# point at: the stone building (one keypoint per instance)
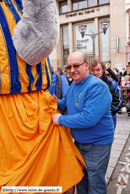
(128, 31)
(113, 47)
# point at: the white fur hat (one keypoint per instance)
(37, 33)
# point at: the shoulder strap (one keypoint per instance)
(59, 88)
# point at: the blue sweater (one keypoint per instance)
(89, 117)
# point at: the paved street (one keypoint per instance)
(118, 173)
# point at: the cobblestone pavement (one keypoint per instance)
(118, 172)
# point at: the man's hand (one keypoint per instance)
(55, 118)
(56, 98)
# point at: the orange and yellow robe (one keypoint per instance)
(33, 151)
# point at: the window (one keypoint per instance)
(65, 41)
(82, 4)
(90, 57)
(63, 7)
(101, 2)
(75, 4)
(90, 3)
(104, 46)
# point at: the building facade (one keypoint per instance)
(113, 47)
(128, 31)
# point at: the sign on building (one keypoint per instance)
(83, 44)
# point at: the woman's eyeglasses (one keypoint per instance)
(68, 68)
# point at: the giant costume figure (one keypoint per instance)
(33, 152)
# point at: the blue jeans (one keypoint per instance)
(96, 158)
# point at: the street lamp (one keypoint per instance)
(104, 26)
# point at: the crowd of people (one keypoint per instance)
(123, 79)
(125, 87)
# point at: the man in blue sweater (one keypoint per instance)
(88, 102)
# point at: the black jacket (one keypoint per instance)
(116, 94)
(113, 75)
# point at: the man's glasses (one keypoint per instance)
(127, 69)
(68, 68)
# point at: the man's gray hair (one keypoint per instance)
(85, 57)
